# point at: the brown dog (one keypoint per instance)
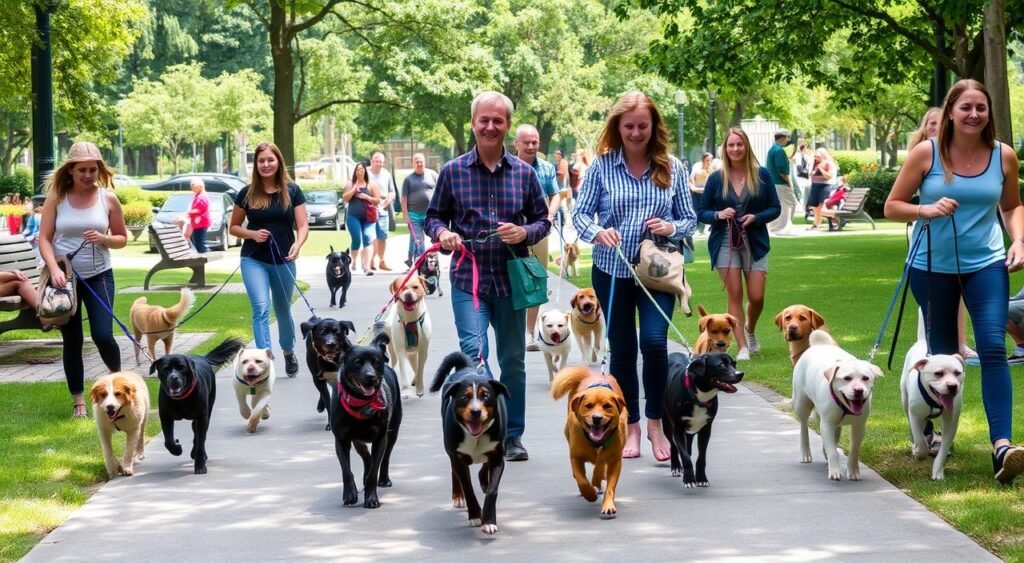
(120, 403)
(796, 323)
(157, 322)
(595, 427)
(571, 254)
(587, 323)
(716, 332)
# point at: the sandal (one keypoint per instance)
(79, 410)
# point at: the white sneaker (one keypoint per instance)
(742, 355)
(752, 344)
(533, 346)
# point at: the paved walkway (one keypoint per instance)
(276, 495)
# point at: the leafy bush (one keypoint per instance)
(137, 214)
(18, 183)
(879, 183)
(158, 199)
(131, 194)
(321, 186)
(855, 161)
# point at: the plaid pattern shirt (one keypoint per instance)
(471, 200)
(620, 200)
(546, 176)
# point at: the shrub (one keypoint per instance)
(20, 182)
(321, 186)
(855, 161)
(879, 183)
(157, 199)
(131, 194)
(137, 214)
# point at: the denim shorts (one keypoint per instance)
(383, 223)
(740, 258)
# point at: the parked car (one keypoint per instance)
(325, 209)
(310, 170)
(221, 205)
(124, 181)
(216, 183)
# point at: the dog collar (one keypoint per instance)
(586, 322)
(602, 443)
(187, 393)
(540, 335)
(600, 384)
(711, 404)
(360, 408)
(839, 402)
(116, 418)
(252, 386)
(931, 401)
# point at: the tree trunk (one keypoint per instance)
(737, 114)
(284, 76)
(210, 157)
(547, 131)
(458, 134)
(995, 69)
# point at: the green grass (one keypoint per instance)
(849, 280)
(51, 462)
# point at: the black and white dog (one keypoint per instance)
(474, 420)
(326, 340)
(430, 271)
(366, 410)
(691, 403)
(339, 275)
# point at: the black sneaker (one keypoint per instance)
(1007, 463)
(514, 450)
(291, 365)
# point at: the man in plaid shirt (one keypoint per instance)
(488, 192)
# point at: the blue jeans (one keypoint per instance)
(383, 224)
(509, 338)
(622, 337)
(985, 293)
(417, 243)
(101, 325)
(360, 231)
(199, 240)
(266, 283)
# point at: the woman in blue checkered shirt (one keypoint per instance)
(634, 185)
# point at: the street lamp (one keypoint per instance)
(42, 95)
(713, 99)
(681, 102)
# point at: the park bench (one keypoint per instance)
(175, 252)
(852, 209)
(17, 254)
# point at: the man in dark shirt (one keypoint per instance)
(417, 189)
(488, 192)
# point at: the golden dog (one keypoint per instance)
(595, 427)
(120, 403)
(157, 322)
(408, 325)
(796, 323)
(587, 324)
(571, 254)
(716, 331)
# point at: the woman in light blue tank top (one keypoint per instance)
(83, 218)
(964, 178)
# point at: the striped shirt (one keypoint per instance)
(625, 202)
(471, 200)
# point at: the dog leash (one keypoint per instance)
(377, 324)
(904, 285)
(108, 308)
(671, 325)
(276, 253)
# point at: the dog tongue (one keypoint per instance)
(947, 402)
(475, 427)
(556, 338)
(856, 406)
(597, 434)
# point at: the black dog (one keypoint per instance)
(326, 339)
(187, 391)
(691, 395)
(474, 420)
(430, 271)
(366, 408)
(339, 275)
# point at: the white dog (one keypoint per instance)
(254, 380)
(553, 339)
(931, 386)
(120, 403)
(409, 328)
(838, 386)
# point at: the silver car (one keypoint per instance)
(324, 209)
(217, 236)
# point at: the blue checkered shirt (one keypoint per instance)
(471, 200)
(547, 176)
(620, 200)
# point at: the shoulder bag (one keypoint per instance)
(660, 266)
(529, 281)
(57, 304)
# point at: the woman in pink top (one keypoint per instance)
(199, 215)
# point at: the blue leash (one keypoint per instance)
(901, 285)
(276, 253)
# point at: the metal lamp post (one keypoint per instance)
(681, 102)
(713, 99)
(42, 99)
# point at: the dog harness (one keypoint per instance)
(412, 331)
(252, 386)
(711, 405)
(361, 408)
(602, 443)
(934, 406)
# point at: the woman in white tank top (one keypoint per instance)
(83, 219)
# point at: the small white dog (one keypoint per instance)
(553, 339)
(409, 328)
(931, 386)
(254, 380)
(838, 386)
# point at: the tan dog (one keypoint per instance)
(120, 403)
(408, 325)
(595, 427)
(571, 253)
(587, 323)
(157, 322)
(796, 323)
(716, 332)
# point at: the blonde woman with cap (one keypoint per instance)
(82, 219)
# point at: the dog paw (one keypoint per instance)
(475, 522)
(938, 475)
(919, 453)
(320, 406)
(328, 427)
(853, 474)
(126, 471)
(676, 472)
(200, 469)
(489, 528)
(608, 511)
(806, 458)
(835, 475)
(349, 498)
(458, 502)
(174, 448)
(251, 427)
(371, 503)
(704, 483)
(266, 413)
(589, 494)
(384, 482)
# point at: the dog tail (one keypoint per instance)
(184, 304)
(224, 352)
(821, 338)
(567, 380)
(454, 361)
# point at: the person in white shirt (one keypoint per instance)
(380, 176)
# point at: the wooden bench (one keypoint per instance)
(175, 252)
(17, 254)
(852, 209)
